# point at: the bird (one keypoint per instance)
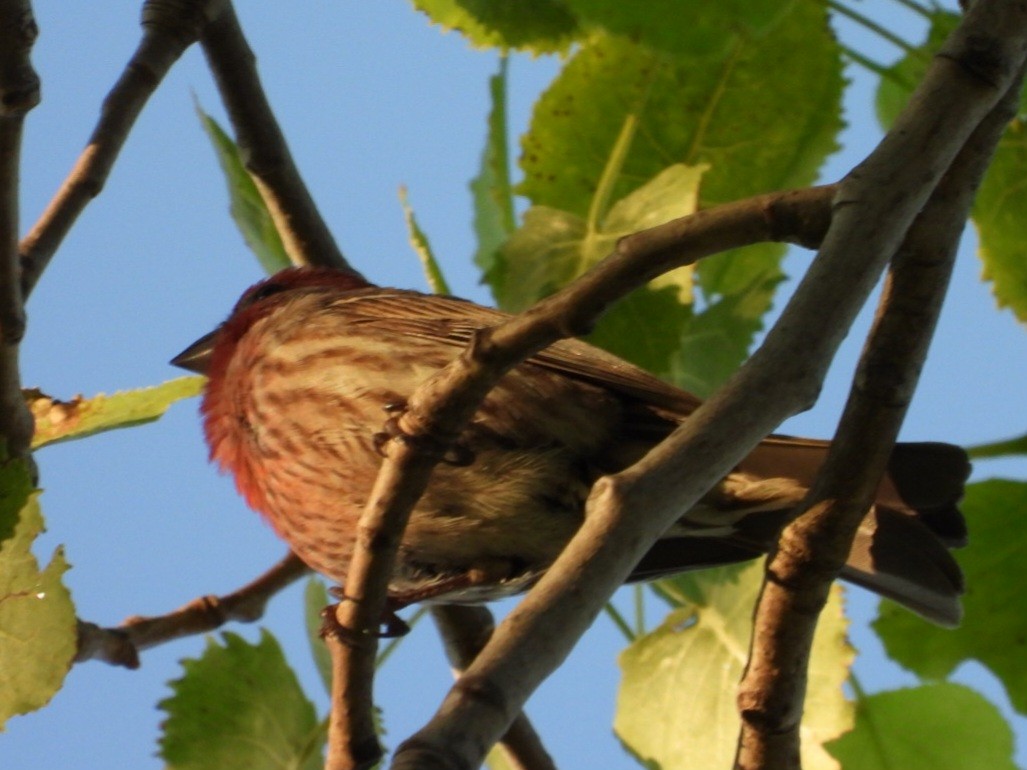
(311, 362)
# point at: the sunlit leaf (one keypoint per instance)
(677, 707)
(247, 206)
(491, 193)
(58, 420)
(538, 26)
(691, 29)
(940, 726)
(994, 628)
(240, 707)
(37, 619)
(422, 247)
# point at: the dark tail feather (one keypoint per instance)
(901, 549)
(897, 556)
(924, 479)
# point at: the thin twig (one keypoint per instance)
(464, 630)
(815, 546)
(878, 29)
(627, 512)
(169, 27)
(19, 93)
(120, 646)
(305, 235)
(352, 740)
(441, 406)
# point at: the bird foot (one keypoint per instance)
(457, 453)
(390, 625)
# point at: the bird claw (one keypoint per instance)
(390, 625)
(458, 454)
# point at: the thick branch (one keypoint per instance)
(442, 406)
(19, 93)
(169, 27)
(121, 646)
(814, 548)
(304, 233)
(465, 630)
(627, 512)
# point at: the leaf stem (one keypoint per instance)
(877, 29)
(639, 591)
(620, 621)
(864, 61)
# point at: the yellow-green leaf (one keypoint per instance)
(994, 627)
(940, 726)
(538, 26)
(677, 707)
(58, 420)
(247, 206)
(691, 29)
(240, 707)
(37, 618)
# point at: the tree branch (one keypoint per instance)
(19, 93)
(304, 233)
(169, 27)
(465, 629)
(121, 646)
(627, 512)
(813, 549)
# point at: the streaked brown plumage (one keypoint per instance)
(300, 376)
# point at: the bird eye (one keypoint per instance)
(261, 291)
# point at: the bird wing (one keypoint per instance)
(454, 321)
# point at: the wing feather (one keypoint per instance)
(454, 321)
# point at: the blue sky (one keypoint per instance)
(370, 97)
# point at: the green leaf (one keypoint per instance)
(37, 619)
(240, 706)
(537, 26)
(247, 206)
(899, 80)
(677, 704)
(315, 599)
(419, 242)
(715, 342)
(994, 628)
(727, 114)
(58, 420)
(691, 29)
(553, 247)
(1014, 446)
(491, 193)
(999, 212)
(940, 726)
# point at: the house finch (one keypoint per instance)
(302, 372)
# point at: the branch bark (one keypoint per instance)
(169, 27)
(120, 646)
(19, 93)
(304, 233)
(814, 548)
(465, 629)
(626, 512)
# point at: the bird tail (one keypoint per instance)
(901, 548)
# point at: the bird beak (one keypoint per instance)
(196, 357)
